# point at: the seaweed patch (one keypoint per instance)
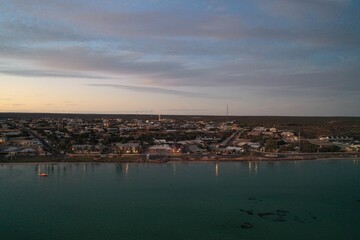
(279, 215)
(246, 225)
(248, 212)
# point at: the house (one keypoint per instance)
(257, 131)
(289, 136)
(340, 139)
(159, 141)
(223, 151)
(87, 148)
(269, 133)
(28, 152)
(165, 148)
(3, 140)
(231, 149)
(9, 150)
(195, 149)
(274, 130)
(261, 129)
(48, 132)
(113, 130)
(27, 142)
(12, 134)
(128, 147)
(254, 145)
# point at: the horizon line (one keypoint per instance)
(194, 115)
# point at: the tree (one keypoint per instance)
(271, 145)
(287, 148)
(331, 148)
(308, 147)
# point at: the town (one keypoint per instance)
(164, 138)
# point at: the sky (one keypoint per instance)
(259, 57)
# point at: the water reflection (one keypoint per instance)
(66, 169)
(253, 167)
(217, 169)
(126, 169)
(119, 169)
(84, 169)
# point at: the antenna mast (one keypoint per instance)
(227, 112)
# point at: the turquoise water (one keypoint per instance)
(276, 200)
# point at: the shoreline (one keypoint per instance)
(310, 157)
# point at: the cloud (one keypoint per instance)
(152, 90)
(42, 73)
(89, 23)
(254, 69)
(302, 9)
(120, 66)
(29, 33)
(291, 45)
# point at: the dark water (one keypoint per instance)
(264, 200)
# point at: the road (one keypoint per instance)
(54, 152)
(229, 141)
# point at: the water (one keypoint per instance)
(280, 200)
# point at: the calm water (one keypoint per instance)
(288, 200)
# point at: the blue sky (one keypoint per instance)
(279, 57)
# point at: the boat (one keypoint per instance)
(42, 174)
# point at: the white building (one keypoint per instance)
(165, 148)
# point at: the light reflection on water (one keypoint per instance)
(217, 169)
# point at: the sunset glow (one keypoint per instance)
(259, 57)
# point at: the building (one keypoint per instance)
(231, 149)
(128, 147)
(165, 148)
(289, 136)
(87, 148)
(3, 140)
(28, 152)
(196, 150)
(27, 142)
